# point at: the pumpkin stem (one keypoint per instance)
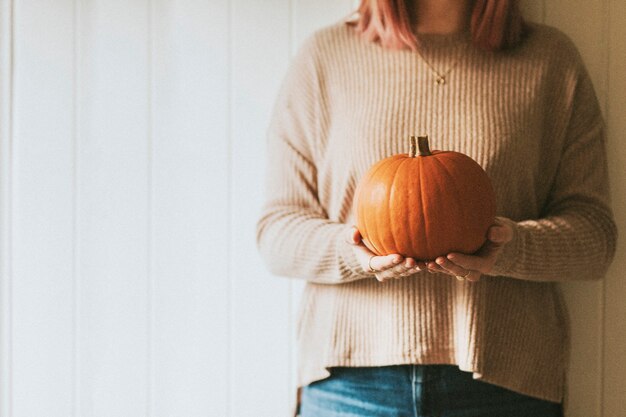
(413, 149)
(422, 143)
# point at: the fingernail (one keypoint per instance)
(397, 260)
(451, 257)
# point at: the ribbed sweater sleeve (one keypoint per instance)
(294, 234)
(575, 238)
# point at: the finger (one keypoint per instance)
(433, 268)
(452, 268)
(500, 234)
(420, 266)
(381, 263)
(457, 271)
(414, 269)
(468, 262)
(409, 263)
(473, 276)
(408, 273)
(353, 236)
(398, 270)
(403, 269)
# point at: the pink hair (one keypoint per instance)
(494, 25)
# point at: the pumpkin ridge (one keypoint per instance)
(483, 208)
(423, 216)
(375, 245)
(377, 226)
(417, 222)
(457, 195)
(393, 219)
(393, 168)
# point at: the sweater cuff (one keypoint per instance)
(508, 256)
(349, 266)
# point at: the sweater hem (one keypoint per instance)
(477, 373)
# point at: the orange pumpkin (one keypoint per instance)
(424, 206)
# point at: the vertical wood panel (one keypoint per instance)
(260, 363)
(309, 16)
(114, 212)
(6, 206)
(191, 207)
(614, 384)
(43, 223)
(583, 22)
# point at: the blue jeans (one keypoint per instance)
(416, 391)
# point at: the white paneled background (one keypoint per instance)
(131, 165)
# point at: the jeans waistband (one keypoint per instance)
(417, 373)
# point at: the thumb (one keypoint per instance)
(500, 234)
(353, 236)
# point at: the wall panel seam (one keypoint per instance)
(75, 401)
(229, 205)
(7, 65)
(150, 313)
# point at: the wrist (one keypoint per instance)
(507, 257)
(349, 264)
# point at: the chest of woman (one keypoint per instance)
(492, 112)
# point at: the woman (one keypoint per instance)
(481, 334)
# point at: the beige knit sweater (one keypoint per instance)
(529, 117)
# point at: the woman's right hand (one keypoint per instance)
(387, 267)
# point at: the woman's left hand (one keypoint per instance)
(471, 267)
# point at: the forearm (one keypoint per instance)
(297, 244)
(576, 245)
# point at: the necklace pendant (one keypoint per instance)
(440, 80)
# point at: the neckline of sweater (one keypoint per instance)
(442, 40)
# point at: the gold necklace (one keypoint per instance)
(440, 78)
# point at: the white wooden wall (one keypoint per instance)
(131, 164)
